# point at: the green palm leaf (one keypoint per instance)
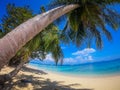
(91, 18)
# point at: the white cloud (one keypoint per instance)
(49, 58)
(69, 60)
(90, 58)
(84, 52)
(82, 56)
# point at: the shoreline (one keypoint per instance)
(77, 76)
(84, 83)
(36, 79)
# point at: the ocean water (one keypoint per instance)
(98, 68)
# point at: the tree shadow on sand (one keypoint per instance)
(27, 69)
(43, 84)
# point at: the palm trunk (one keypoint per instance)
(16, 70)
(8, 77)
(13, 41)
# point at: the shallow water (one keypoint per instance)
(97, 68)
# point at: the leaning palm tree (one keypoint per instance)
(42, 43)
(100, 10)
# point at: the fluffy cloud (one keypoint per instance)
(49, 58)
(90, 58)
(84, 52)
(78, 60)
(69, 61)
(82, 56)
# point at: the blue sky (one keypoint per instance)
(72, 54)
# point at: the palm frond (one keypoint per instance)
(91, 13)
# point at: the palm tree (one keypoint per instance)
(42, 42)
(13, 41)
(88, 22)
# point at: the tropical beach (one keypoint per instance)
(60, 45)
(42, 80)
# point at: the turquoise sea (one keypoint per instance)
(97, 68)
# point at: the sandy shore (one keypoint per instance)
(40, 80)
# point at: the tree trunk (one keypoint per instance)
(16, 70)
(7, 77)
(14, 40)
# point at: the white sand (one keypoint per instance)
(52, 81)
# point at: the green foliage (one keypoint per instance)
(45, 42)
(15, 16)
(89, 20)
